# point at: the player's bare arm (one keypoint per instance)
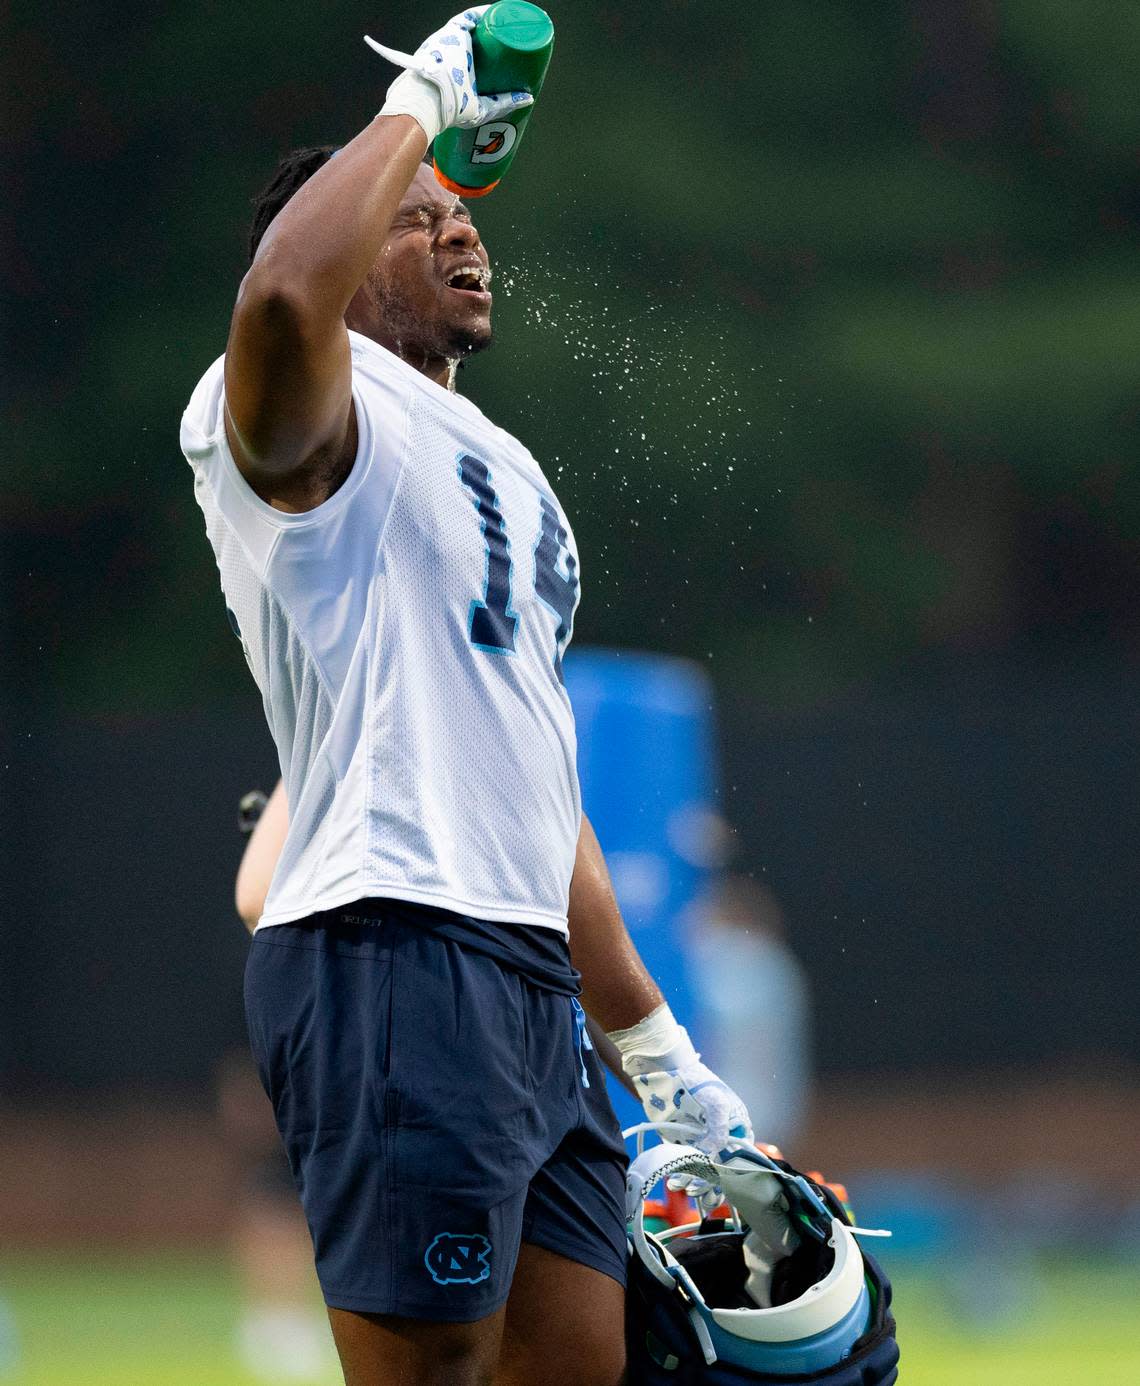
(616, 988)
(344, 252)
(260, 857)
(288, 372)
(645, 1043)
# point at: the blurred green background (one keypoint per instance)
(171, 1322)
(823, 319)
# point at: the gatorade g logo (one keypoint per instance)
(459, 1258)
(493, 142)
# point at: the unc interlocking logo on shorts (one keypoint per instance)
(459, 1258)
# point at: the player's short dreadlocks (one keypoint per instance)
(292, 172)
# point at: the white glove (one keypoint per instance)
(438, 86)
(684, 1100)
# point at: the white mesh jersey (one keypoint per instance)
(407, 638)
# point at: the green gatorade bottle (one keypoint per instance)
(512, 44)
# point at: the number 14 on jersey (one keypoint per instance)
(492, 624)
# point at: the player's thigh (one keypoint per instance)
(383, 1350)
(565, 1321)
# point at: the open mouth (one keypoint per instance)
(470, 279)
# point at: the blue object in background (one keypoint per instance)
(646, 762)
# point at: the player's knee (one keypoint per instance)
(599, 1358)
(605, 1366)
(593, 1363)
(455, 1344)
(377, 1349)
(611, 1373)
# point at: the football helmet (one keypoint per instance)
(778, 1291)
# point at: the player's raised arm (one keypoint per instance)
(289, 416)
(288, 369)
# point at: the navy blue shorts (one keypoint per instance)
(438, 1103)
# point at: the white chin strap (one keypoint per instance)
(755, 1190)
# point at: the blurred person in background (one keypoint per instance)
(753, 993)
(282, 1335)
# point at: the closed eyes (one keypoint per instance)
(428, 214)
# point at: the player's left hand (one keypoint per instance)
(688, 1104)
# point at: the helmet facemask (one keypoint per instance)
(777, 1289)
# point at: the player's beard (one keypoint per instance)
(417, 339)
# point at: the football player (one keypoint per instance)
(403, 581)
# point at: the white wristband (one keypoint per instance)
(413, 95)
(653, 1044)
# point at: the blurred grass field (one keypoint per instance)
(171, 1322)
